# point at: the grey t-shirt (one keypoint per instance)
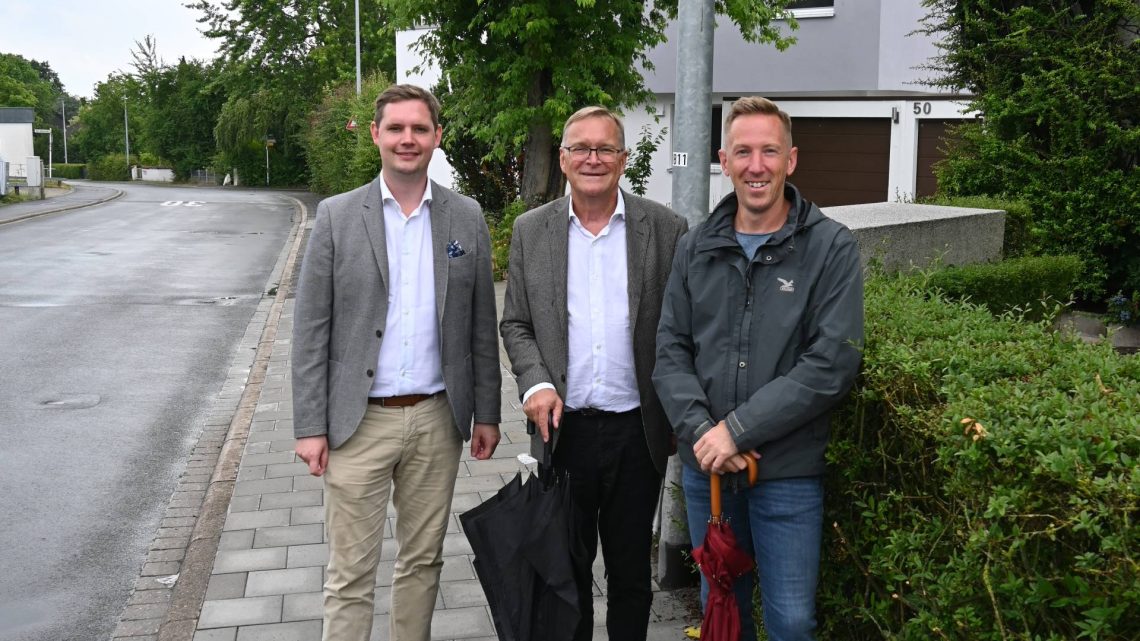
(751, 242)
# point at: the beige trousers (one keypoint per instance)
(416, 450)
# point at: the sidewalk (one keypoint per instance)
(265, 580)
(81, 194)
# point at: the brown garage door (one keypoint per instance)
(842, 161)
(934, 136)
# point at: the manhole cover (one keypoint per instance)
(69, 401)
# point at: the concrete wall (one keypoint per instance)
(901, 235)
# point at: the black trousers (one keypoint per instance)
(615, 488)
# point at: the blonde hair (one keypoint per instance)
(595, 112)
(751, 105)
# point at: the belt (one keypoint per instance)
(407, 400)
(597, 413)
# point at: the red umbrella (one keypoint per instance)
(722, 563)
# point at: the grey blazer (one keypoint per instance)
(535, 327)
(342, 306)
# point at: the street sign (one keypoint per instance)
(41, 131)
(351, 126)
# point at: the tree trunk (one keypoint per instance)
(542, 179)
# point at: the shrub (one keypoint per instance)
(68, 170)
(983, 481)
(110, 167)
(501, 232)
(339, 159)
(1034, 285)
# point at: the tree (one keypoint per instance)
(98, 128)
(278, 56)
(514, 71)
(31, 83)
(1057, 83)
(185, 103)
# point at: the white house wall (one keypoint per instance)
(412, 68)
(16, 146)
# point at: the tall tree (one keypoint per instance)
(514, 71)
(278, 56)
(99, 128)
(185, 103)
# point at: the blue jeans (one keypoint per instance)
(780, 522)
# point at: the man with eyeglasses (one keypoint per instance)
(579, 325)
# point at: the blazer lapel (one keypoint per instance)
(440, 235)
(557, 230)
(637, 233)
(373, 214)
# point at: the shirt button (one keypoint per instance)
(743, 364)
(369, 373)
(379, 333)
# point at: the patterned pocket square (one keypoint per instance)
(454, 249)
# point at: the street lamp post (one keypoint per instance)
(269, 142)
(63, 106)
(357, 47)
(50, 145)
(127, 137)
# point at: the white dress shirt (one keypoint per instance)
(409, 361)
(600, 372)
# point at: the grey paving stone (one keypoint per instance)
(164, 568)
(494, 466)
(267, 459)
(308, 483)
(249, 560)
(251, 472)
(244, 488)
(176, 554)
(292, 499)
(239, 612)
(179, 521)
(226, 586)
(295, 631)
(303, 606)
(145, 611)
(478, 484)
(287, 581)
(289, 535)
(170, 543)
(454, 544)
(260, 519)
(462, 502)
(140, 597)
(245, 503)
(461, 594)
(236, 540)
(461, 623)
(308, 555)
(258, 448)
(286, 469)
(137, 628)
(309, 514)
(217, 634)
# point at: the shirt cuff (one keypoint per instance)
(530, 392)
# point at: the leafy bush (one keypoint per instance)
(1034, 285)
(1057, 84)
(339, 159)
(983, 481)
(68, 170)
(501, 232)
(110, 167)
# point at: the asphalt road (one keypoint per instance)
(117, 325)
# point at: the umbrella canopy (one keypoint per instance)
(722, 562)
(527, 556)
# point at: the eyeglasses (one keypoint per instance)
(605, 154)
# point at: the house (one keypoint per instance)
(16, 138)
(868, 129)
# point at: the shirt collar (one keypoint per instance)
(619, 210)
(386, 195)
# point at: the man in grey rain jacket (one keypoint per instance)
(760, 337)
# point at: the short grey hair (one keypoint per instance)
(595, 112)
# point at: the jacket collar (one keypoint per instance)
(718, 231)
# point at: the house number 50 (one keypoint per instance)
(922, 108)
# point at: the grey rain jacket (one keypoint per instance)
(769, 345)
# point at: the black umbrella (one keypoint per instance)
(528, 556)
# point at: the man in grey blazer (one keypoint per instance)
(394, 356)
(583, 298)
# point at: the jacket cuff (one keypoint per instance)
(702, 429)
(303, 432)
(736, 429)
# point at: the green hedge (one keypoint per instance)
(68, 170)
(340, 160)
(1033, 285)
(110, 167)
(501, 236)
(983, 481)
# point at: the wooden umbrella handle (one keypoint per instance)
(714, 488)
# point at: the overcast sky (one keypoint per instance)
(85, 40)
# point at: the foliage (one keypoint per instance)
(68, 170)
(339, 159)
(99, 127)
(1124, 310)
(493, 182)
(1032, 285)
(640, 165)
(1057, 83)
(501, 233)
(111, 167)
(983, 480)
(517, 70)
(31, 83)
(184, 105)
(277, 59)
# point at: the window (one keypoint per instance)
(715, 133)
(812, 8)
